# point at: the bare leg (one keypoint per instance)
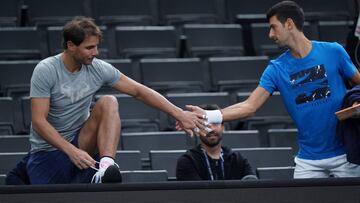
(101, 131)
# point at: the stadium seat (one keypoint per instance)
(210, 40)
(247, 8)
(174, 12)
(275, 173)
(21, 43)
(165, 160)
(128, 160)
(125, 12)
(144, 176)
(328, 10)
(138, 42)
(53, 13)
(126, 67)
(334, 31)
(15, 76)
(8, 160)
(14, 143)
(7, 116)
(174, 75)
(241, 74)
(146, 141)
(283, 138)
(2, 179)
(9, 12)
(272, 114)
(241, 138)
(267, 156)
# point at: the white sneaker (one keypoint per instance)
(110, 175)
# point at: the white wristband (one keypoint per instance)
(214, 116)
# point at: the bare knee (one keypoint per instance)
(107, 103)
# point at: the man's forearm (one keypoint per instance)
(158, 101)
(51, 136)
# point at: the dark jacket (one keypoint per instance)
(192, 166)
(349, 130)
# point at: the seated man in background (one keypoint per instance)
(211, 161)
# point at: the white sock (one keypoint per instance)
(105, 162)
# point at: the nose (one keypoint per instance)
(95, 51)
(271, 34)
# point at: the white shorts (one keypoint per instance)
(332, 167)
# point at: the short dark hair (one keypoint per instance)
(287, 9)
(78, 29)
(209, 106)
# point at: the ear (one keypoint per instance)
(71, 45)
(290, 24)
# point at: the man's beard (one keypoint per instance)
(282, 47)
(210, 143)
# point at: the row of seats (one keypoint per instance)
(156, 12)
(170, 75)
(136, 42)
(136, 176)
(146, 141)
(166, 159)
(137, 116)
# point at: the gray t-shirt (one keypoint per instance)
(70, 94)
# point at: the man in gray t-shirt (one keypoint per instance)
(64, 135)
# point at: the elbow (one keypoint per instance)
(36, 124)
(251, 111)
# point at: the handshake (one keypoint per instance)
(204, 118)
